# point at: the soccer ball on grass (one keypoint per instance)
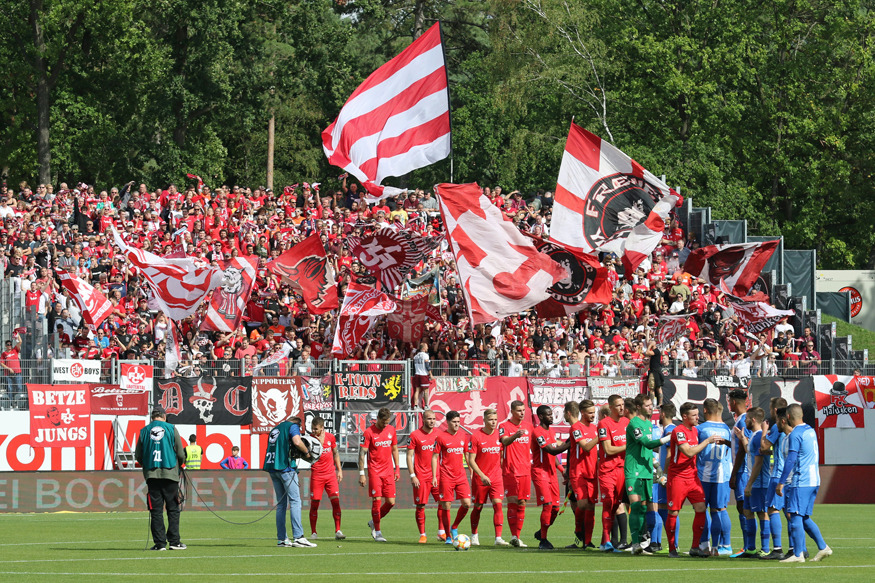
(462, 542)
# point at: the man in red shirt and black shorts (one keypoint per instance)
(582, 462)
(420, 448)
(380, 445)
(326, 474)
(452, 480)
(484, 459)
(544, 450)
(612, 439)
(683, 480)
(516, 468)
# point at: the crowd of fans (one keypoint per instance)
(48, 229)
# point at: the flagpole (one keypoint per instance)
(449, 100)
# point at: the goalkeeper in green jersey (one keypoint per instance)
(639, 468)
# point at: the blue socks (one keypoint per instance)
(765, 531)
(814, 532)
(654, 526)
(750, 534)
(775, 525)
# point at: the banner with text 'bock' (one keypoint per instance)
(60, 415)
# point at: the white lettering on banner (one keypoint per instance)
(604, 387)
(58, 397)
(682, 392)
(65, 369)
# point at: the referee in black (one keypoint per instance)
(160, 453)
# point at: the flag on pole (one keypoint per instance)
(602, 195)
(178, 285)
(361, 306)
(501, 271)
(93, 304)
(738, 265)
(225, 310)
(306, 267)
(398, 120)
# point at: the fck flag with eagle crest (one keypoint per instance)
(735, 266)
(229, 300)
(606, 201)
(306, 267)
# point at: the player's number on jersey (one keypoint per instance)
(156, 456)
(268, 459)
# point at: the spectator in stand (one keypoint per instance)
(809, 361)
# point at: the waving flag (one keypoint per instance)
(671, 328)
(178, 285)
(390, 255)
(754, 315)
(226, 306)
(398, 120)
(93, 304)
(501, 271)
(306, 267)
(602, 195)
(585, 284)
(738, 266)
(361, 306)
(407, 322)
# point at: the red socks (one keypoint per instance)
(444, 515)
(497, 518)
(314, 514)
(607, 523)
(385, 508)
(461, 513)
(545, 520)
(698, 527)
(375, 513)
(512, 518)
(420, 519)
(588, 525)
(475, 518)
(672, 526)
(335, 512)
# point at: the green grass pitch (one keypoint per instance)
(109, 547)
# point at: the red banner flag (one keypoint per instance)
(738, 265)
(501, 271)
(93, 304)
(390, 254)
(115, 400)
(60, 415)
(225, 310)
(274, 400)
(671, 328)
(407, 322)
(398, 120)
(840, 401)
(306, 267)
(361, 306)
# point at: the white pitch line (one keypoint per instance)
(439, 573)
(180, 555)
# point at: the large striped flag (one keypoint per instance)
(735, 266)
(225, 310)
(93, 304)
(602, 195)
(398, 120)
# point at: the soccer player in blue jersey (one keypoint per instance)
(714, 464)
(738, 478)
(802, 477)
(757, 484)
(667, 413)
(774, 446)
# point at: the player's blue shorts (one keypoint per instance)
(800, 500)
(740, 485)
(772, 499)
(756, 502)
(716, 494)
(660, 495)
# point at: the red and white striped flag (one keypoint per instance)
(738, 265)
(229, 300)
(602, 195)
(501, 271)
(361, 306)
(398, 120)
(93, 304)
(178, 285)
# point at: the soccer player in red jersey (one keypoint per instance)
(380, 445)
(325, 475)
(484, 459)
(420, 448)
(612, 438)
(683, 480)
(544, 450)
(452, 480)
(582, 459)
(516, 468)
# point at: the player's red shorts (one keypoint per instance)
(329, 484)
(680, 489)
(519, 487)
(420, 495)
(381, 485)
(611, 487)
(459, 487)
(546, 489)
(585, 488)
(483, 494)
